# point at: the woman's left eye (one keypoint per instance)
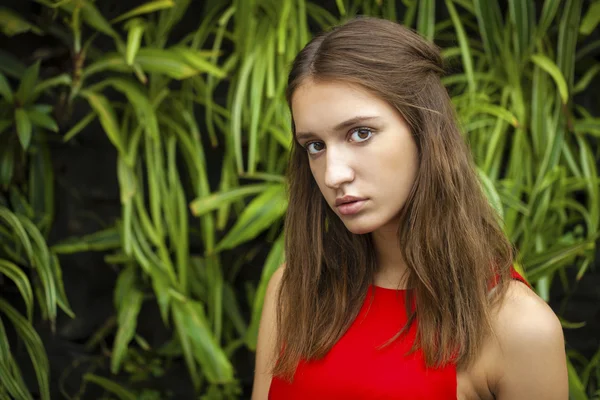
(361, 134)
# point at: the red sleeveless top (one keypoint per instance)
(355, 369)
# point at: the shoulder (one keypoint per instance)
(524, 316)
(531, 348)
(275, 280)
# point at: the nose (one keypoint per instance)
(338, 170)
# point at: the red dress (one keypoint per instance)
(354, 368)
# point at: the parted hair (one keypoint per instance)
(451, 238)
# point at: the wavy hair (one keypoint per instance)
(451, 237)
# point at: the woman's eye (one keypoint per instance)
(361, 134)
(314, 147)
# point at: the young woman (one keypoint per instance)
(398, 281)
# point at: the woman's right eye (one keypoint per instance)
(314, 147)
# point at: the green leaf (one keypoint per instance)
(5, 89)
(140, 101)
(34, 347)
(125, 281)
(190, 317)
(521, 14)
(548, 13)
(28, 81)
(203, 205)
(19, 231)
(260, 214)
(110, 386)
(186, 346)
(167, 62)
(426, 18)
(489, 18)
(43, 265)
(110, 62)
(42, 120)
(199, 61)
(107, 117)
(11, 379)
(128, 188)
(41, 185)
(591, 19)
(571, 325)
(106, 239)
(135, 29)
(128, 314)
(539, 265)
(551, 68)
(15, 274)
(7, 164)
(23, 127)
(495, 110)
(585, 80)
(79, 126)
(232, 309)
(149, 7)
(60, 80)
(491, 193)
(153, 60)
(91, 16)
(576, 389)
(11, 23)
(341, 7)
(465, 48)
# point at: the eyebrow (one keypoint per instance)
(341, 126)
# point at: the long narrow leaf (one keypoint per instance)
(260, 214)
(23, 127)
(28, 81)
(34, 347)
(5, 89)
(110, 386)
(108, 119)
(149, 7)
(15, 274)
(128, 314)
(551, 68)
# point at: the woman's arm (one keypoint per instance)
(532, 352)
(265, 346)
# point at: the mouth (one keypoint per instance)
(349, 205)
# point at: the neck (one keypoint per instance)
(391, 267)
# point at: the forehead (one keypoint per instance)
(318, 106)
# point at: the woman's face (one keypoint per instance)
(360, 150)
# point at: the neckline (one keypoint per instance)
(381, 288)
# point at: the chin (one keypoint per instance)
(360, 228)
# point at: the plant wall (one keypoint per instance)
(167, 97)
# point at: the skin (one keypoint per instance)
(377, 159)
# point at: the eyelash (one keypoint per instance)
(352, 132)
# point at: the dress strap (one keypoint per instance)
(514, 275)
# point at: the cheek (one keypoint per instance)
(318, 177)
(395, 166)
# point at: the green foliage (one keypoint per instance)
(513, 87)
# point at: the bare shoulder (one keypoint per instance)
(266, 341)
(275, 280)
(531, 348)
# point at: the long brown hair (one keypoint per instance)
(451, 238)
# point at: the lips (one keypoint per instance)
(347, 199)
(349, 205)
